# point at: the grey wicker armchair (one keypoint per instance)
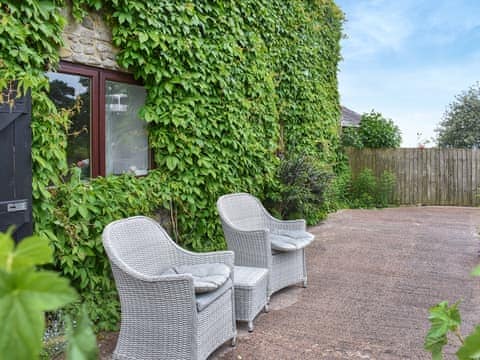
(161, 314)
(260, 240)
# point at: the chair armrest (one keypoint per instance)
(289, 225)
(186, 257)
(251, 247)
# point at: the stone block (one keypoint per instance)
(89, 50)
(65, 53)
(88, 23)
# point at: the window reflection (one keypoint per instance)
(127, 141)
(67, 92)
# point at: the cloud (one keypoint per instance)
(408, 59)
(376, 26)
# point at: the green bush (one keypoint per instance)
(350, 137)
(377, 132)
(366, 191)
(302, 190)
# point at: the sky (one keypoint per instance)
(408, 59)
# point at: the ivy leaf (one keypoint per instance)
(31, 251)
(24, 295)
(172, 162)
(443, 318)
(82, 343)
(24, 322)
(470, 349)
(46, 289)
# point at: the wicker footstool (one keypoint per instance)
(250, 292)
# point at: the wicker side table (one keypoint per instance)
(251, 292)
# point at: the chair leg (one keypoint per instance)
(305, 282)
(266, 308)
(250, 326)
(234, 342)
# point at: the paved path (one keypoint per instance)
(373, 274)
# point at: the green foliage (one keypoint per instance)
(337, 195)
(368, 191)
(29, 39)
(446, 319)
(230, 86)
(385, 186)
(81, 338)
(460, 126)
(350, 137)
(377, 132)
(26, 293)
(470, 349)
(443, 319)
(303, 187)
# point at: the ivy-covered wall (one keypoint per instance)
(232, 87)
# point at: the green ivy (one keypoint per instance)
(231, 85)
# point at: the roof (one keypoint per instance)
(350, 118)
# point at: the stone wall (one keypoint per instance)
(88, 42)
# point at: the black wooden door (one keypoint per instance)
(16, 168)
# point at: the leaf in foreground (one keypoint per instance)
(82, 344)
(470, 349)
(443, 319)
(24, 296)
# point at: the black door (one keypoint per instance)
(16, 167)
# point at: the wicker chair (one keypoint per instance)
(160, 316)
(249, 231)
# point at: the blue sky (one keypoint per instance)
(408, 59)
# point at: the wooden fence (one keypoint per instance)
(425, 176)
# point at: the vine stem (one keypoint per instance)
(459, 335)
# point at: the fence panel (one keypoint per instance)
(425, 176)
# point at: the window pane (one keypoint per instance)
(66, 91)
(126, 134)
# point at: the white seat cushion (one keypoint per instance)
(290, 240)
(205, 299)
(206, 277)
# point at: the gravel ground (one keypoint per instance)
(373, 274)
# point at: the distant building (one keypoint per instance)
(350, 118)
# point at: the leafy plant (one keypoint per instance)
(350, 137)
(460, 126)
(378, 132)
(367, 191)
(446, 319)
(303, 186)
(26, 293)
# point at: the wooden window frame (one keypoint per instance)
(98, 78)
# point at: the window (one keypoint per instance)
(106, 136)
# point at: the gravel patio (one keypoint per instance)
(373, 274)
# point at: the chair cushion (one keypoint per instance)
(205, 299)
(284, 240)
(206, 277)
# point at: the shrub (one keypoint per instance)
(338, 191)
(303, 187)
(377, 132)
(367, 191)
(350, 137)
